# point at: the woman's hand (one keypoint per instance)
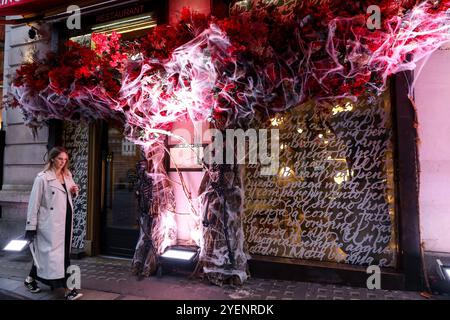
(30, 234)
(74, 189)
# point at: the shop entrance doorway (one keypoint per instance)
(120, 229)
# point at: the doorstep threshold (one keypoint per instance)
(112, 257)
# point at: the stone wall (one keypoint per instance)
(24, 154)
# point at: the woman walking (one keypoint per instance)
(50, 222)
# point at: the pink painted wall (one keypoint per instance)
(185, 219)
(175, 6)
(432, 93)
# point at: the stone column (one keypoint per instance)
(24, 154)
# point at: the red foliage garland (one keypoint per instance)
(283, 56)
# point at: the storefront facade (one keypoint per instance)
(346, 195)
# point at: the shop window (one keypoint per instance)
(130, 28)
(128, 148)
(333, 197)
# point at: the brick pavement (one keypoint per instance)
(110, 279)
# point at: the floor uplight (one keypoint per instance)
(179, 254)
(16, 245)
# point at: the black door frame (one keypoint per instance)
(407, 173)
(2, 156)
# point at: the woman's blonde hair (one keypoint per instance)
(54, 152)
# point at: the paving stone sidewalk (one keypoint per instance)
(105, 278)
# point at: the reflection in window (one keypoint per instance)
(333, 197)
(121, 177)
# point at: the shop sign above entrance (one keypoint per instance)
(120, 14)
(22, 7)
(12, 3)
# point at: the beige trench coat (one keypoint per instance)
(47, 215)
